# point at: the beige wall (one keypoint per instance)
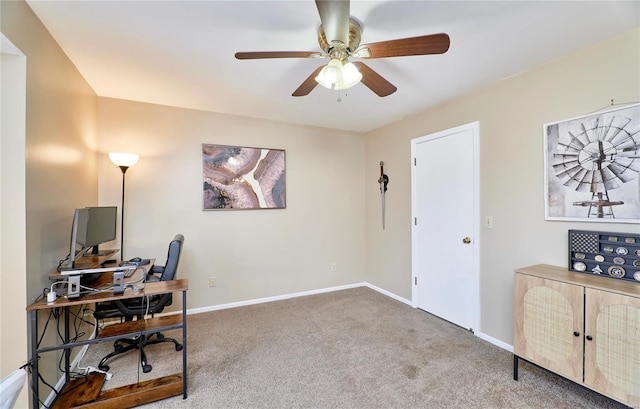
(252, 253)
(13, 287)
(59, 160)
(60, 144)
(511, 114)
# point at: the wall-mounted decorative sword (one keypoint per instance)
(383, 181)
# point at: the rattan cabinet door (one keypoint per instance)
(612, 345)
(549, 319)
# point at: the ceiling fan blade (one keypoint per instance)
(334, 15)
(422, 45)
(253, 55)
(308, 85)
(374, 81)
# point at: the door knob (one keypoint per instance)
(466, 240)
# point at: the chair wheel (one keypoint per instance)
(178, 347)
(104, 368)
(147, 368)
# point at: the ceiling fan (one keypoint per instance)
(339, 39)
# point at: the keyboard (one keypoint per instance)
(126, 269)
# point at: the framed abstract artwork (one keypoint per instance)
(591, 167)
(237, 177)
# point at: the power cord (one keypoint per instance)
(29, 368)
(52, 295)
(89, 369)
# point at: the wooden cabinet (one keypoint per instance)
(583, 327)
(549, 321)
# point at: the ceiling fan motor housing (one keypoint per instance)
(355, 31)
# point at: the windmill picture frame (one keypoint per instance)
(592, 167)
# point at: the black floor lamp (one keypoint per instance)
(124, 161)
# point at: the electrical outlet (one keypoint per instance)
(212, 281)
(334, 266)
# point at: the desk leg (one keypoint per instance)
(34, 359)
(184, 345)
(67, 351)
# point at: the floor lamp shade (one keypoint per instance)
(124, 161)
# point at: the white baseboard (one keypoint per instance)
(495, 341)
(269, 299)
(294, 295)
(389, 294)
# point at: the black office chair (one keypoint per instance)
(138, 307)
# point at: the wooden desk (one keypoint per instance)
(126, 396)
(105, 280)
(90, 261)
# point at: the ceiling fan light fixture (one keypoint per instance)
(331, 74)
(350, 75)
(337, 76)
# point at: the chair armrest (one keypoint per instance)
(152, 278)
(156, 271)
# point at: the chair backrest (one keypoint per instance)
(173, 257)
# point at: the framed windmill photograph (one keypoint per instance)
(591, 167)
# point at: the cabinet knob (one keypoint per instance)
(589, 338)
(576, 334)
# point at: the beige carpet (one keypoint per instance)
(346, 349)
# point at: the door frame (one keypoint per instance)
(475, 128)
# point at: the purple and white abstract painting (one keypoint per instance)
(238, 177)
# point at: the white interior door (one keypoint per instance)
(445, 238)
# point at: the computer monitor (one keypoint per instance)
(91, 227)
(101, 228)
(78, 237)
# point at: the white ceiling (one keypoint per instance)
(181, 53)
